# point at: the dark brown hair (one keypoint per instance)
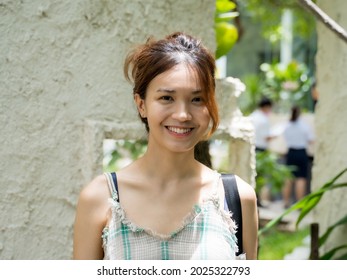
(154, 57)
(295, 113)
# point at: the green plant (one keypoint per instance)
(226, 32)
(271, 172)
(268, 14)
(248, 101)
(276, 244)
(124, 149)
(284, 85)
(290, 82)
(306, 205)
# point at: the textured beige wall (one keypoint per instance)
(331, 116)
(63, 92)
(61, 86)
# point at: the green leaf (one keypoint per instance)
(343, 257)
(307, 203)
(331, 253)
(325, 236)
(311, 200)
(275, 221)
(311, 203)
(223, 6)
(226, 36)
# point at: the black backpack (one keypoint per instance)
(234, 205)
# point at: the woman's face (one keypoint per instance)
(175, 109)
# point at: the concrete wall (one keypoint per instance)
(330, 121)
(237, 129)
(61, 87)
(62, 93)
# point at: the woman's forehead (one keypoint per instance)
(180, 74)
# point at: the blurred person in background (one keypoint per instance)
(262, 126)
(298, 136)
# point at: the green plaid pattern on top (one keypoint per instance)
(208, 233)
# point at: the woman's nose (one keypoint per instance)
(182, 112)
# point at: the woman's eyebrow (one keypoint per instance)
(166, 90)
(171, 91)
(197, 91)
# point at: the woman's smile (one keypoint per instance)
(179, 131)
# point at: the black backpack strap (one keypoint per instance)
(234, 205)
(114, 179)
(112, 184)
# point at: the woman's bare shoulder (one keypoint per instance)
(95, 192)
(246, 191)
(91, 217)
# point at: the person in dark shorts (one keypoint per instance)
(298, 135)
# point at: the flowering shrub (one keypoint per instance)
(290, 83)
(284, 85)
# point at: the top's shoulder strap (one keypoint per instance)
(234, 204)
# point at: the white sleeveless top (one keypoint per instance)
(207, 233)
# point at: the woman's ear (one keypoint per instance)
(140, 104)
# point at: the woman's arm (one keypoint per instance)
(91, 218)
(249, 219)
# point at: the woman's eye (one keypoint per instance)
(166, 98)
(198, 100)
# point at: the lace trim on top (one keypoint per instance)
(119, 213)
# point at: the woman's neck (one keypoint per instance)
(170, 165)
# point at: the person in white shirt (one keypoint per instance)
(261, 122)
(298, 135)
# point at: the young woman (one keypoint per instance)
(166, 204)
(298, 136)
